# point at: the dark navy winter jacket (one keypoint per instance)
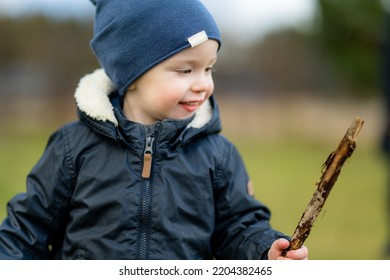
(106, 188)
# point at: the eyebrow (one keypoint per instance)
(194, 60)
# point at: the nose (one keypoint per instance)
(203, 83)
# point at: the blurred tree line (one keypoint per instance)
(41, 56)
(339, 53)
(351, 34)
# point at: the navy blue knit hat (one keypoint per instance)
(132, 36)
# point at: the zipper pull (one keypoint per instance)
(148, 157)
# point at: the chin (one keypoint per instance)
(183, 117)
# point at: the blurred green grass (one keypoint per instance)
(352, 224)
(284, 172)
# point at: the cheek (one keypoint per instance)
(176, 89)
(211, 88)
(160, 92)
(170, 95)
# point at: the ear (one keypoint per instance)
(132, 87)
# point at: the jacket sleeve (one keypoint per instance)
(242, 230)
(35, 221)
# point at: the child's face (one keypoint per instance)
(175, 88)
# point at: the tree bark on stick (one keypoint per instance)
(330, 172)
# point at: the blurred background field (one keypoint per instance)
(286, 98)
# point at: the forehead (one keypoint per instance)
(205, 51)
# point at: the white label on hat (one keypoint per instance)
(198, 38)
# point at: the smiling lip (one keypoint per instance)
(190, 106)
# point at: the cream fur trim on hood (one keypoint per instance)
(92, 98)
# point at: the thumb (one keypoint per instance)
(277, 248)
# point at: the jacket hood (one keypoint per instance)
(93, 94)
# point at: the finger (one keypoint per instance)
(299, 254)
(283, 244)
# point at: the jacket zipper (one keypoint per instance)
(148, 154)
(146, 194)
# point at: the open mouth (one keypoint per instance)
(190, 106)
(191, 103)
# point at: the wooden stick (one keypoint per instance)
(330, 171)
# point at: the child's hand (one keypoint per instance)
(275, 252)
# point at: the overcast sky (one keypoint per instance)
(243, 18)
